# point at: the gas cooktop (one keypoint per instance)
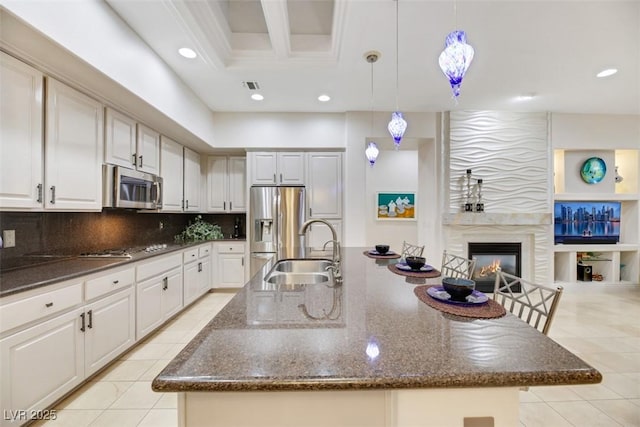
(124, 252)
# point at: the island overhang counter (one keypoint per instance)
(365, 353)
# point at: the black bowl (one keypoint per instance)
(415, 262)
(382, 249)
(458, 287)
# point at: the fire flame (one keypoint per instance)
(489, 269)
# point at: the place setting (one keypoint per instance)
(458, 296)
(414, 266)
(381, 252)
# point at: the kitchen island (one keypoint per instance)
(367, 353)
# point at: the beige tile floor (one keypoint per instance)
(600, 323)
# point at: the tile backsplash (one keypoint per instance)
(70, 233)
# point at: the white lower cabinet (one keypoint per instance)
(109, 329)
(39, 365)
(197, 272)
(158, 292)
(230, 265)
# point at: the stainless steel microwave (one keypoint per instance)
(128, 188)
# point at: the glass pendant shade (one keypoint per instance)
(396, 127)
(455, 59)
(372, 153)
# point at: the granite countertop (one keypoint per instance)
(46, 270)
(371, 333)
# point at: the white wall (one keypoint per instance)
(288, 131)
(595, 131)
(361, 182)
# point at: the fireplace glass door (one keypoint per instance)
(490, 256)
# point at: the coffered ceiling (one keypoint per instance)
(298, 49)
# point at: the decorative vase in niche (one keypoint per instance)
(618, 177)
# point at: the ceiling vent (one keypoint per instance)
(251, 85)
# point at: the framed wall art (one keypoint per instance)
(396, 205)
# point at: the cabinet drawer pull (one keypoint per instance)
(90, 324)
(115, 282)
(49, 304)
(53, 194)
(82, 325)
(39, 189)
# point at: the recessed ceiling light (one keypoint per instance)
(324, 98)
(527, 97)
(257, 97)
(606, 73)
(187, 53)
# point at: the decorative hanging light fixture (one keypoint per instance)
(397, 126)
(456, 57)
(372, 153)
(372, 148)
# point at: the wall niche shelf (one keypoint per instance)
(614, 263)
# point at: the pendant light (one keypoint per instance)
(397, 126)
(372, 148)
(456, 57)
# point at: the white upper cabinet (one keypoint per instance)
(120, 139)
(131, 144)
(192, 176)
(277, 168)
(148, 150)
(73, 149)
(171, 171)
(226, 184)
(324, 184)
(21, 142)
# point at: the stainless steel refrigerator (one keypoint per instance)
(276, 215)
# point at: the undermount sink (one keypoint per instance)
(302, 265)
(302, 271)
(297, 278)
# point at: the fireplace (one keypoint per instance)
(491, 255)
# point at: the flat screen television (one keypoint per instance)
(584, 222)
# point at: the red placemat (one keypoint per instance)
(392, 256)
(490, 310)
(421, 274)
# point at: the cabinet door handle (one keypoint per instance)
(49, 304)
(230, 206)
(280, 178)
(133, 159)
(187, 204)
(165, 283)
(82, 325)
(140, 162)
(39, 189)
(53, 194)
(274, 178)
(242, 261)
(90, 324)
(224, 206)
(199, 267)
(310, 212)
